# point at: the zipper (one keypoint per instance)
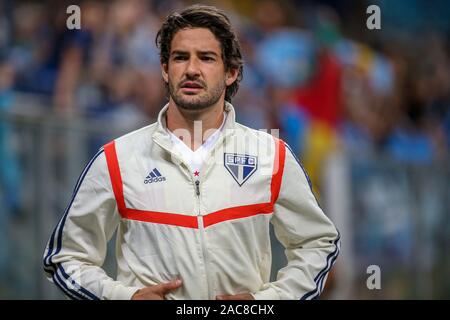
(197, 191)
(199, 217)
(201, 229)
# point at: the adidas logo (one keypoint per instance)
(154, 176)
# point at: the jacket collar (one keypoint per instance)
(162, 137)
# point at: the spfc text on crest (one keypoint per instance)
(240, 166)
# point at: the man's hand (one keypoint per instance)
(157, 292)
(241, 296)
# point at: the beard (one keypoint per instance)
(198, 101)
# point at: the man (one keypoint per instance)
(192, 211)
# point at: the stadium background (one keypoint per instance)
(367, 111)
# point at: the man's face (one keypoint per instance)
(195, 72)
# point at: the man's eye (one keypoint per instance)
(207, 58)
(179, 58)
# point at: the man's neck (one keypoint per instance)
(198, 124)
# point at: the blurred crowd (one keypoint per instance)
(312, 70)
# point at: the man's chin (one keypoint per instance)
(192, 103)
(193, 107)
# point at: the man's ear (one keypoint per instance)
(164, 72)
(231, 76)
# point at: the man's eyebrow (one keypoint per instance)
(208, 52)
(180, 52)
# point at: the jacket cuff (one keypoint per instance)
(266, 294)
(123, 293)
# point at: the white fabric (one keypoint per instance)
(196, 158)
(204, 233)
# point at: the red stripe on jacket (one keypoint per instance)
(189, 221)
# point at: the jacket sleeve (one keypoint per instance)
(310, 239)
(77, 248)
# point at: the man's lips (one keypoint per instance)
(191, 85)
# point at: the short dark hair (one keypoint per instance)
(202, 16)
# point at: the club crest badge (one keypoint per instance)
(240, 166)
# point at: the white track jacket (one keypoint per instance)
(213, 233)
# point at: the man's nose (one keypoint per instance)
(192, 68)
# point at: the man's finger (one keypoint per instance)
(172, 285)
(225, 297)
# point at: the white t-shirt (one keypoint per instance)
(196, 158)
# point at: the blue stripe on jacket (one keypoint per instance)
(304, 171)
(52, 268)
(331, 258)
(319, 279)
